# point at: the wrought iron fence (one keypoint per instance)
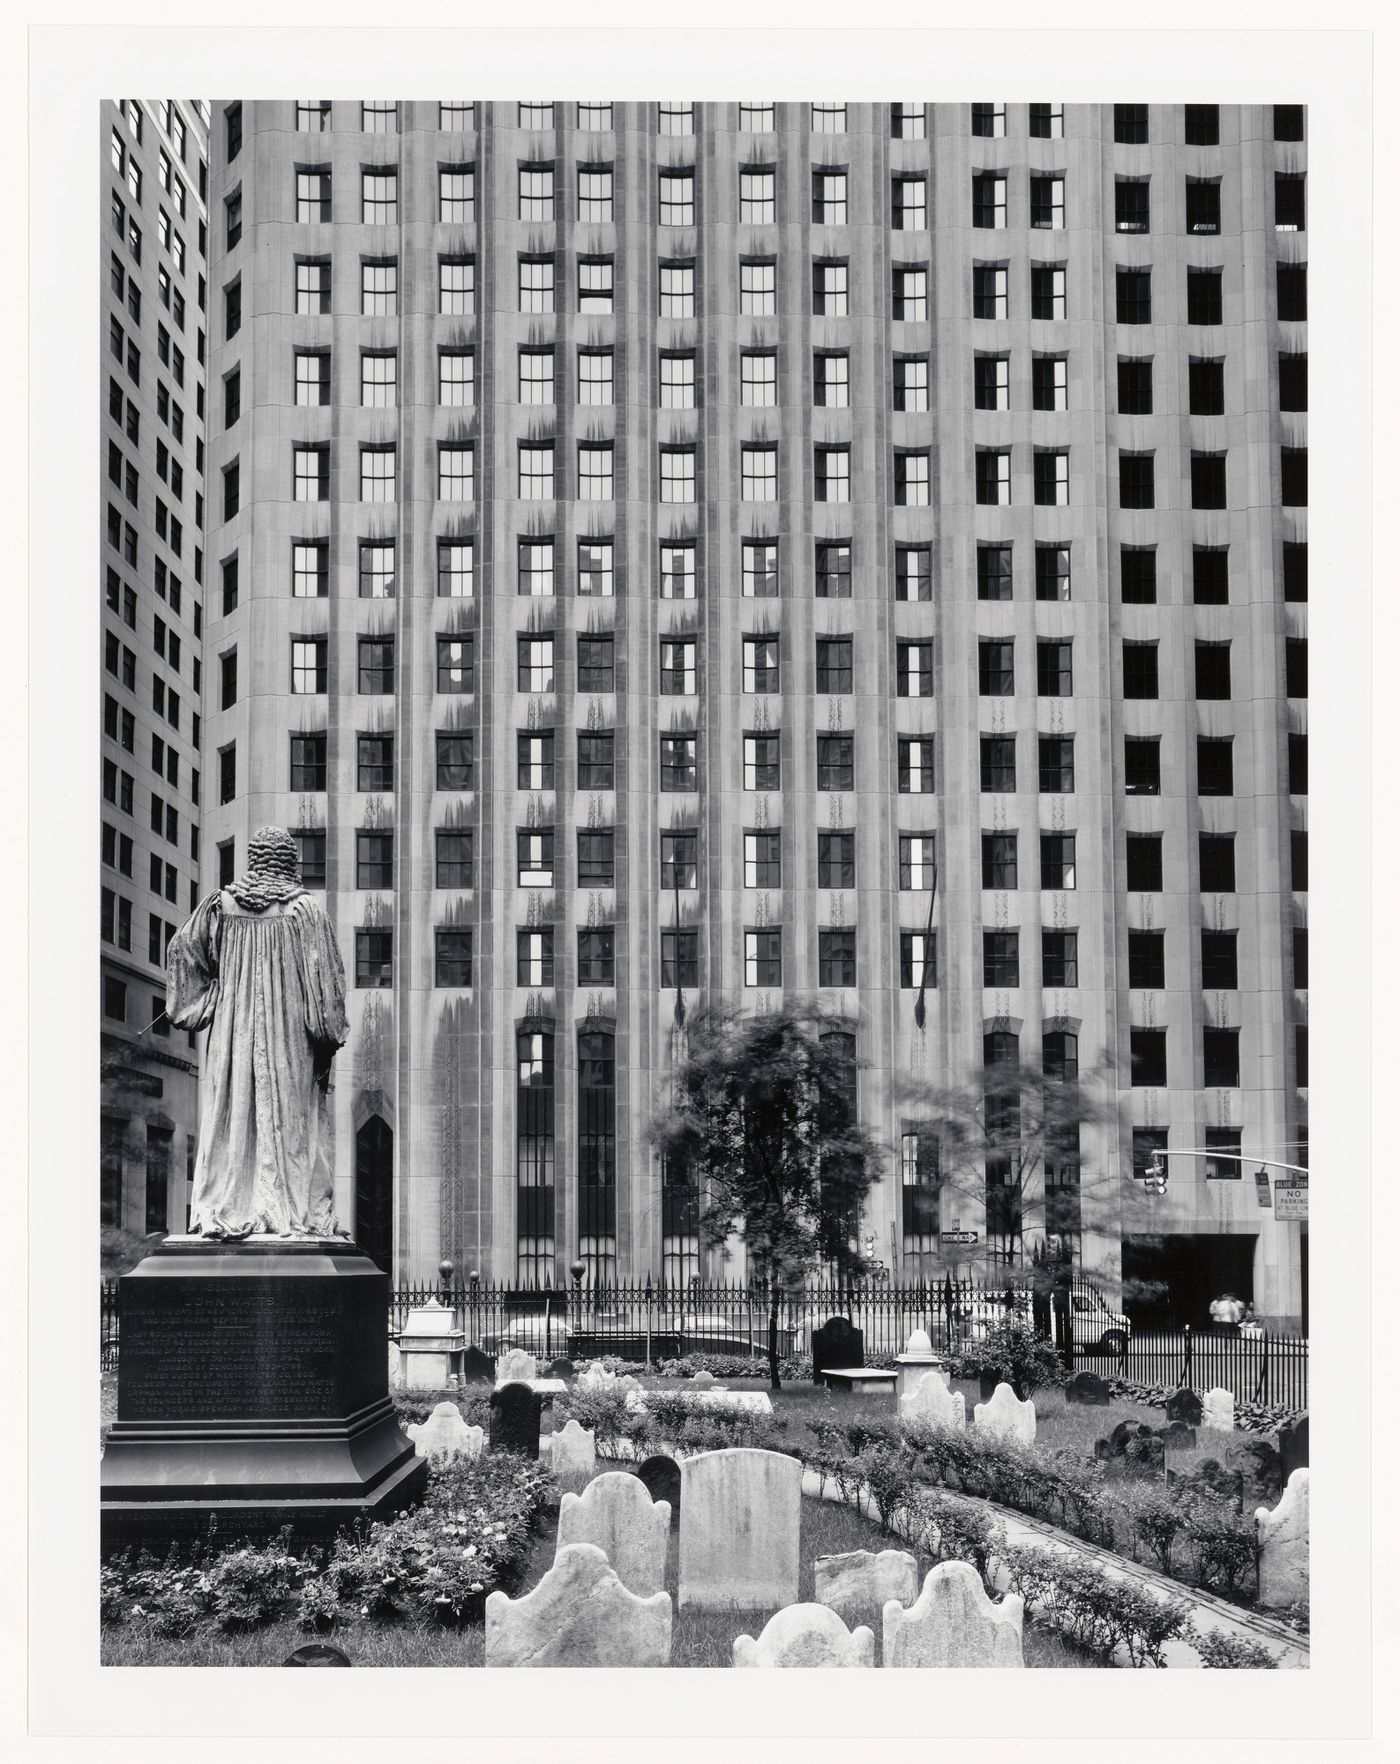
(657, 1322)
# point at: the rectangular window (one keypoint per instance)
(763, 958)
(680, 959)
(1205, 297)
(377, 474)
(1293, 476)
(455, 757)
(595, 376)
(1139, 669)
(762, 762)
(1293, 382)
(595, 285)
(993, 476)
(595, 473)
(1215, 766)
(833, 571)
(595, 193)
(909, 205)
(996, 672)
(1056, 755)
(1051, 477)
(1142, 765)
(756, 119)
(313, 376)
(914, 670)
(1138, 575)
(1057, 860)
(308, 763)
(1219, 961)
(1217, 863)
(763, 860)
(1054, 668)
(379, 197)
(452, 956)
(1048, 203)
(911, 391)
(677, 676)
(918, 959)
(1148, 1049)
(991, 382)
(596, 768)
(536, 376)
(678, 572)
(835, 664)
(988, 200)
(1130, 124)
(596, 959)
(1212, 670)
(989, 120)
(1047, 122)
(1295, 572)
(759, 475)
(829, 119)
(1052, 581)
(456, 665)
(836, 958)
(313, 285)
(999, 860)
(534, 664)
(1137, 484)
(537, 284)
(760, 664)
(595, 858)
(457, 286)
(456, 378)
(678, 474)
(1059, 958)
(757, 199)
(836, 765)
(1131, 212)
(908, 122)
(915, 765)
(457, 117)
(994, 576)
(679, 866)
(677, 288)
(758, 377)
(1202, 205)
(1135, 386)
(1220, 1050)
(308, 667)
(536, 473)
(1292, 291)
(913, 573)
(677, 381)
(377, 574)
(595, 567)
(374, 958)
(759, 572)
(379, 288)
(1001, 958)
(910, 294)
(678, 763)
(832, 474)
(997, 755)
(1049, 382)
(374, 860)
(1133, 296)
(1144, 863)
(311, 474)
(916, 862)
(379, 379)
(313, 194)
(911, 479)
(989, 291)
(677, 199)
(536, 116)
(456, 569)
(1288, 202)
(758, 289)
(596, 664)
(830, 290)
(1147, 966)
(534, 759)
(534, 850)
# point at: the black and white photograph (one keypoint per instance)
(701, 966)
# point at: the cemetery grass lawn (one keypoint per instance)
(698, 1638)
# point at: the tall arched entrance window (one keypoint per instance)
(374, 1192)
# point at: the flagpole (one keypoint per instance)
(923, 965)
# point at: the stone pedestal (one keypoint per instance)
(253, 1388)
(431, 1347)
(911, 1368)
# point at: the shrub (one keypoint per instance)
(1231, 1653)
(1014, 1354)
(414, 1406)
(1223, 1546)
(602, 1409)
(1098, 1610)
(894, 1486)
(954, 1531)
(1158, 1520)
(249, 1587)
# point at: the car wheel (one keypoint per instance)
(1113, 1342)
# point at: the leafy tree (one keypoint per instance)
(763, 1118)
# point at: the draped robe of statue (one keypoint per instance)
(268, 984)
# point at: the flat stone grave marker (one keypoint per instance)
(478, 1367)
(741, 1512)
(580, 1614)
(515, 1419)
(806, 1635)
(572, 1456)
(860, 1380)
(1006, 1417)
(954, 1623)
(1218, 1410)
(660, 1475)
(1293, 1446)
(931, 1400)
(616, 1513)
(860, 1582)
(837, 1343)
(1283, 1546)
(1088, 1389)
(445, 1435)
(1185, 1405)
(515, 1366)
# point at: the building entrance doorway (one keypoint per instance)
(374, 1192)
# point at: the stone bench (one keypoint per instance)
(858, 1380)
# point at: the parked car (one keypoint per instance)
(1096, 1324)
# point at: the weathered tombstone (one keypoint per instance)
(703, 1380)
(1005, 1417)
(395, 1372)
(1283, 1546)
(445, 1435)
(477, 1367)
(917, 1358)
(741, 1512)
(572, 1456)
(616, 1513)
(660, 1475)
(931, 1400)
(515, 1366)
(860, 1582)
(1185, 1405)
(1293, 1446)
(954, 1623)
(1088, 1389)
(515, 1419)
(1212, 1478)
(1145, 1456)
(837, 1343)
(1218, 1410)
(1260, 1467)
(1176, 1436)
(806, 1635)
(561, 1369)
(580, 1614)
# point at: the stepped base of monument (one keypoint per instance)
(252, 1395)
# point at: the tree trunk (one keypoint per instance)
(774, 1303)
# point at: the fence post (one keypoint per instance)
(1186, 1361)
(1261, 1383)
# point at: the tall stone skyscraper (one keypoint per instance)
(652, 545)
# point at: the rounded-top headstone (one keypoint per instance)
(562, 1368)
(661, 1475)
(918, 1343)
(317, 1654)
(1185, 1405)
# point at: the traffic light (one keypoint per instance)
(1155, 1181)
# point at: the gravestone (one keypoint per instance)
(515, 1366)
(1006, 1417)
(477, 1367)
(703, 1380)
(917, 1358)
(1144, 1456)
(616, 1513)
(1212, 1478)
(580, 1614)
(741, 1512)
(561, 1369)
(806, 1635)
(1185, 1405)
(1261, 1468)
(660, 1475)
(860, 1581)
(445, 1435)
(430, 1347)
(1218, 1410)
(918, 1342)
(572, 1457)
(317, 1654)
(1088, 1389)
(1176, 1436)
(837, 1343)
(395, 1371)
(515, 1419)
(1283, 1546)
(1293, 1446)
(954, 1623)
(931, 1400)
